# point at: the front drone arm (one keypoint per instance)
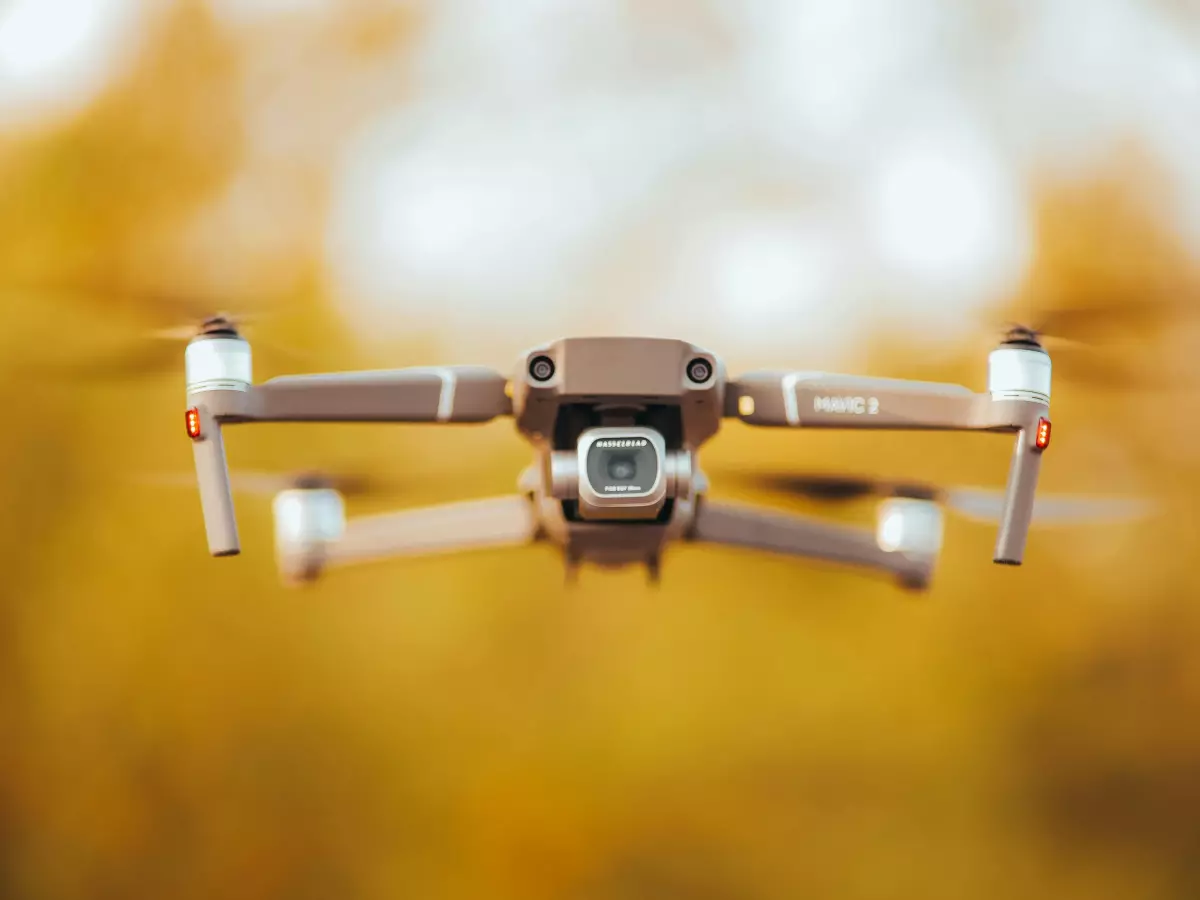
(221, 392)
(445, 394)
(823, 400)
(736, 525)
(1017, 401)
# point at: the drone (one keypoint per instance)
(616, 425)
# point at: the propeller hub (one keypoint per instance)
(218, 325)
(1023, 337)
(310, 481)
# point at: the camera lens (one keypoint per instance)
(699, 371)
(541, 368)
(622, 468)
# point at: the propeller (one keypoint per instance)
(266, 484)
(1077, 322)
(158, 349)
(216, 323)
(972, 503)
(1081, 325)
(1082, 355)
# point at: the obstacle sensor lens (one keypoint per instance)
(541, 368)
(699, 371)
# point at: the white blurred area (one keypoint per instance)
(756, 175)
(56, 55)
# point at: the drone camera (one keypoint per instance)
(623, 465)
(621, 473)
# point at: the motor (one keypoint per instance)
(308, 521)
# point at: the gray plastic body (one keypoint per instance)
(1017, 401)
(618, 385)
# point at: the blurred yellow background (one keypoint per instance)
(397, 183)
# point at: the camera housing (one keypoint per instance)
(621, 473)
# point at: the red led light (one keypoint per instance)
(1041, 439)
(193, 423)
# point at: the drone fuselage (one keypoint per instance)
(596, 409)
(562, 390)
(599, 381)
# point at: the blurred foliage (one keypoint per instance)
(176, 726)
(112, 187)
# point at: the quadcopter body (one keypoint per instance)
(617, 425)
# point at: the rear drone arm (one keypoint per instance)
(736, 525)
(221, 392)
(304, 550)
(1017, 401)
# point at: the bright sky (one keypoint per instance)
(763, 173)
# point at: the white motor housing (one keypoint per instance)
(912, 527)
(1019, 373)
(307, 522)
(220, 362)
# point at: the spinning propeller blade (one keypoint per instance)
(837, 487)
(1081, 353)
(975, 504)
(159, 351)
(986, 505)
(204, 323)
(1076, 322)
(258, 483)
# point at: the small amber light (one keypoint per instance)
(1042, 439)
(745, 405)
(193, 423)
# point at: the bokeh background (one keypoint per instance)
(867, 185)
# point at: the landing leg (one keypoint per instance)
(654, 570)
(571, 565)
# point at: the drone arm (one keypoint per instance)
(446, 394)
(823, 400)
(453, 527)
(736, 525)
(449, 394)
